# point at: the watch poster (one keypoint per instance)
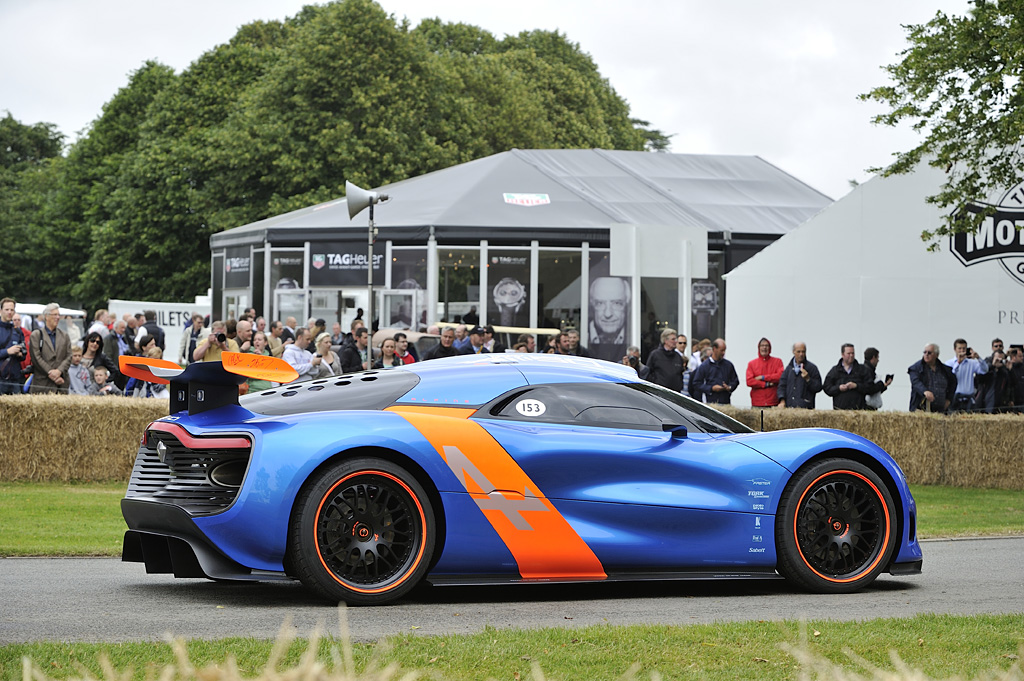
(508, 278)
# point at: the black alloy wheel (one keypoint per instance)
(363, 532)
(836, 527)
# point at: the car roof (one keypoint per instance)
(464, 381)
(535, 368)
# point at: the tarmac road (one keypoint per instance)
(102, 599)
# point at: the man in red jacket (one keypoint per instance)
(763, 374)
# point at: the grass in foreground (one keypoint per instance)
(938, 646)
(59, 519)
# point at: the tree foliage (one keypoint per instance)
(960, 85)
(30, 161)
(275, 120)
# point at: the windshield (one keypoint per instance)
(710, 420)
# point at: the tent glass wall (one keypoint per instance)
(405, 304)
(659, 309)
(458, 283)
(558, 288)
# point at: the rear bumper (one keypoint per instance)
(166, 539)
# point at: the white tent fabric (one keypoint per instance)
(859, 273)
(584, 188)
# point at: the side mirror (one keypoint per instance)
(677, 429)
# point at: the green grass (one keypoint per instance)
(959, 512)
(58, 519)
(939, 645)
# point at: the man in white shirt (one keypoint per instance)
(965, 365)
(301, 359)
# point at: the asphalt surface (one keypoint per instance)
(98, 599)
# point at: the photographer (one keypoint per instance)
(211, 347)
(12, 350)
(966, 366)
(873, 394)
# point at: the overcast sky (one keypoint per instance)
(777, 80)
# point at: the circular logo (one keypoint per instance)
(531, 407)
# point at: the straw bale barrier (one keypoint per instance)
(965, 450)
(63, 438)
(71, 437)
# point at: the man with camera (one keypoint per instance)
(966, 365)
(875, 388)
(213, 346)
(994, 389)
(12, 350)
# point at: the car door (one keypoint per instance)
(641, 481)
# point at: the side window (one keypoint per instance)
(612, 416)
(610, 405)
(543, 403)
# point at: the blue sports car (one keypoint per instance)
(498, 468)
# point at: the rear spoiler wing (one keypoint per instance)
(203, 386)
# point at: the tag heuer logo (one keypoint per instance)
(527, 199)
(319, 260)
(1000, 237)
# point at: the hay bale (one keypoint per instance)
(71, 437)
(63, 438)
(965, 450)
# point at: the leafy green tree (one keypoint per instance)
(21, 145)
(153, 241)
(654, 140)
(30, 163)
(90, 177)
(585, 109)
(458, 37)
(960, 85)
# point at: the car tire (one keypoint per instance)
(836, 527)
(363, 532)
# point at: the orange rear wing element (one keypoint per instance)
(259, 367)
(207, 385)
(149, 369)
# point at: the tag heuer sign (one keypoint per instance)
(999, 237)
(527, 199)
(319, 260)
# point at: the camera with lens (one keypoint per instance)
(221, 338)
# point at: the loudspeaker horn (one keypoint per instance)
(358, 198)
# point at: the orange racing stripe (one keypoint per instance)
(542, 542)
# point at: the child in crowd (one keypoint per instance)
(101, 384)
(80, 378)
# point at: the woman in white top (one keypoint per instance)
(330, 363)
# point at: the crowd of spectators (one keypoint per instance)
(964, 383)
(38, 356)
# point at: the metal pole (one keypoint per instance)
(369, 279)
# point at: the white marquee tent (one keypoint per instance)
(859, 272)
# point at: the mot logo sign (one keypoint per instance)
(1000, 236)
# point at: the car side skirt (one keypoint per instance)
(470, 580)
